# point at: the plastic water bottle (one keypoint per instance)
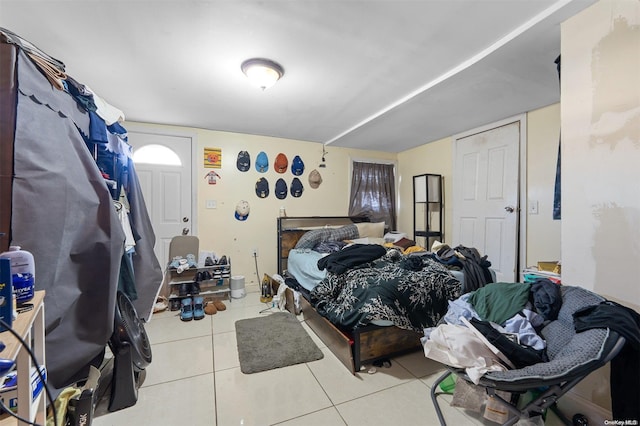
(23, 270)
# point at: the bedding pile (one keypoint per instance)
(412, 292)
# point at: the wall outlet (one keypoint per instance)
(254, 252)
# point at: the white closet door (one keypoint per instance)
(485, 191)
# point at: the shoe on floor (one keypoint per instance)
(186, 309)
(174, 304)
(198, 308)
(161, 304)
(210, 309)
(219, 305)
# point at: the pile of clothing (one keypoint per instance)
(495, 327)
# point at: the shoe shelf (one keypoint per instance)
(210, 282)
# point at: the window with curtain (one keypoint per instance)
(373, 193)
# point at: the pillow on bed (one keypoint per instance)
(313, 237)
(368, 229)
(367, 240)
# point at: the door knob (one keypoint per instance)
(185, 219)
(509, 209)
(185, 231)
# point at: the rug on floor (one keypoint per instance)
(273, 341)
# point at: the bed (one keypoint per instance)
(380, 324)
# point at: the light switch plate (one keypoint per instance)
(211, 204)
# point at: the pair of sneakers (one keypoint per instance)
(192, 309)
(210, 262)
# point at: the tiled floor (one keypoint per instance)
(195, 379)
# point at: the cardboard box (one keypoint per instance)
(550, 266)
(9, 387)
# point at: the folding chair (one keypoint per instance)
(572, 356)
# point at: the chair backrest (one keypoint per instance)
(182, 245)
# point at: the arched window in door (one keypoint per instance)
(156, 154)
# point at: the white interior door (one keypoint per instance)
(485, 195)
(164, 168)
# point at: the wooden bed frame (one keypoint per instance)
(353, 348)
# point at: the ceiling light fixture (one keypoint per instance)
(262, 72)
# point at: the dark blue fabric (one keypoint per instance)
(547, 298)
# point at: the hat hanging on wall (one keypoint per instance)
(262, 162)
(242, 210)
(297, 166)
(262, 188)
(244, 161)
(281, 164)
(296, 187)
(315, 179)
(281, 189)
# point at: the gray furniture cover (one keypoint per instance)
(63, 214)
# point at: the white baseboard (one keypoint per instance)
(572, 403)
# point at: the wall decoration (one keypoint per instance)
(262, 188)
(281, 189)
(262, 162)
(213, 158)
(315, 179)
(242, 210)
(212, 177)
(281, 164)
(244, 161)
(297, 166)
(296, 187)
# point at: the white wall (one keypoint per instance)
(543, 233)
(601, 150)
(219, 231)
(600, 110)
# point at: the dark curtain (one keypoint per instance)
(373, 193)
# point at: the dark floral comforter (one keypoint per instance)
(410, 291)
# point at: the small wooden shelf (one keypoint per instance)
(30, 326)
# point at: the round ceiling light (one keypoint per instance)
(262, 72)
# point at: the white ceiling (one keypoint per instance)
(385, 75)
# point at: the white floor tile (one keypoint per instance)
(418, 364)
(267, 397)
(179, 359)
(406, 404)
(167, 327)
(182, 402)
(225, 351)
(340, 385)
(326, 417)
